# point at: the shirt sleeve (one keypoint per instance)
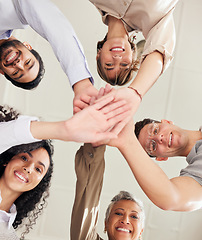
(194, 169)
(162, 38)
(89, 167)
(16, 132)
(48, 21)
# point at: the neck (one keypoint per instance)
(193, 137)
(8, 197)
(116, 28)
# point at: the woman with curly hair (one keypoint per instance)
(25, 174)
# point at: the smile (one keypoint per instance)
(11, 57)
(123, 230)
(117, 49)
(170, 140)
(22, 178)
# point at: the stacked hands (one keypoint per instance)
(101, 115)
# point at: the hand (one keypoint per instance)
(83, 91)
(96, 123)
(124, 136)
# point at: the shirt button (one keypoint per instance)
(90, 155)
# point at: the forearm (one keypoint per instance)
(149, 71)
(153, 181)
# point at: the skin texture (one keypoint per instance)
(17, 61)
(22, 173)
(96, 121)
(180, 193)
(124, 221)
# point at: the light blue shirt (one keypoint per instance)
(48, 21)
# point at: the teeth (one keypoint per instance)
(21, 177)
(123, 229)
(170, 139)
(117, 49)
(11, 57)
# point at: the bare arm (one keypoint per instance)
(177, 194)
(150, 70)
(89, 125)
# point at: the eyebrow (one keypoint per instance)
(23, 74)
(123, 210)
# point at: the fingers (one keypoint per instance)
(99, 105)
(115, 108)
(76, 110)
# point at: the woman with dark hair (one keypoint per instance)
(25, 174)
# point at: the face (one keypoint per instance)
(25, 170)
(18, 62)
(124, 221)
(163, 139)
(115, 55)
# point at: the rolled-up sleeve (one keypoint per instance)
(16, 132)
(162, 38)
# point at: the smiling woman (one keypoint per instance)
(20, 63)
(124, 218)
(25, 174)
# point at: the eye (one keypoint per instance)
(28, 62)
(124, 64)
(156, 129)
(16, 72)
(118, 213)
(38, 170)
(109, 64)
(24, 158)
(153, 146)
(135, 217)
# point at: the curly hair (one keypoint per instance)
(31, 203)
(7, 113)
(34, 83)
(126, 74)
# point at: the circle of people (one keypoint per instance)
(101, 117)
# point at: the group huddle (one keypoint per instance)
(101, 117)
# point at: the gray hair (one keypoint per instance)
(123, 195)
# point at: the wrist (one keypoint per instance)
(136, 92)
(82, 84)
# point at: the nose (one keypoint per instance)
(28, 169)
(19, 64)
(158, 138)
(117, 56)
(125, 219)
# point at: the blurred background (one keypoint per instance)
(175, 96)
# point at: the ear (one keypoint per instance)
(98, 54)
(105, 229)
(166, 121)
(27, 45)
(2, 72)
(161, 158)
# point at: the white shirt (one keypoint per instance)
(48, 21)
(6, 217)
(16, 132)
